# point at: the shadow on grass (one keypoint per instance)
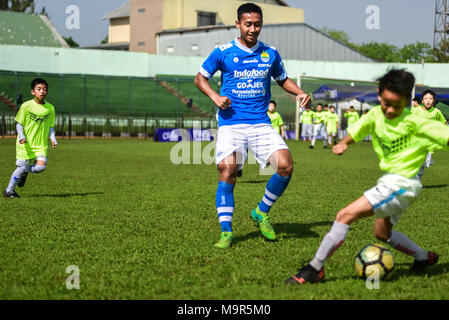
(66, 195)
(437, 186)
(290, 230)
(253, 181)
(402, 270)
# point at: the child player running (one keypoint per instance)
(332, 125)
(35, 123)
(401, 140)
(428, 111)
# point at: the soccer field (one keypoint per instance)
(139, 227)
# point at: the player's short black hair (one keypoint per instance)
(398, 81)
(319, 104)
(331, 107)
(429, 92)
(417, 99)
(37, 81)
(247, 8)
(351, 107)
(273, 102)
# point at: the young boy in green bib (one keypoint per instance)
(401, 140)
(35, 124)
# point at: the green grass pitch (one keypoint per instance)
(139, 227)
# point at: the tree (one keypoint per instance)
(416, 53)
(72, 43)
(17, 5)
(382, 52)
(337, 35)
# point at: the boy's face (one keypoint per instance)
(40, 91)
(271, 107)
(428, 101)
(318, 108)
(415, 103)
(392, 103)
(250, 25)
(332, 110)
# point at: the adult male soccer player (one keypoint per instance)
(428, 111)
(352, 115)
(307, 124)
(401, 141)
(276, 120)
(332, 125)
(319, 126)
(247, 66)
(35, 124)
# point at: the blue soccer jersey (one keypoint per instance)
(246, 79)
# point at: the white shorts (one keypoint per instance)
(307, 130)
(30, 162)
(392, 195)
(319, 130)
(261, 139)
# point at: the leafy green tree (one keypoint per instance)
(416, 53)
(382, 52)
(72, 43)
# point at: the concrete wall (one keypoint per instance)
(138, 64)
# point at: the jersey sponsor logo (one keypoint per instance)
(265, 56)
(250, 85)
(249, 74)
(251, 61)
(225, 46)
(38, 119)
(264, 65)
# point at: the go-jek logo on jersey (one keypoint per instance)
(265, 56)
(248, 74)
(249, 85)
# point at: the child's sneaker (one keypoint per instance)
(306, 274)
(11, 194)
(420, 265)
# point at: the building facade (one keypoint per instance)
(138, 21)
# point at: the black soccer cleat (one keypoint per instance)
(11, 194)
(420, 265)
(23, 179)
(311, 147)
(239, 173)
(306, 274)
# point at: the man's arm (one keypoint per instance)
(282, 131)
(341, 147)
(291, 87)
(202, 83)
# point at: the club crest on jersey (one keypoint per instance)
(265, 56)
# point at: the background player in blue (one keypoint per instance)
(247, 66)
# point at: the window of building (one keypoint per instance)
(206, 18)
(141, 44)
(142, 10)
(194, 47)
(170, 49)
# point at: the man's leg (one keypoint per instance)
(282, 162)
(224, 199)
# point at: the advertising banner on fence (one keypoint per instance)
(177, 135)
